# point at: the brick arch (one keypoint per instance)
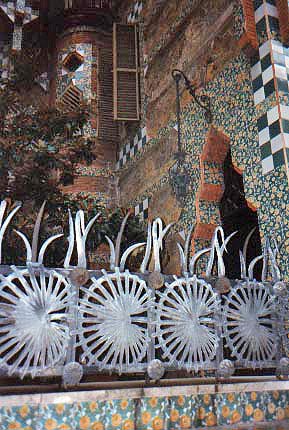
(210, 192)
(214, 152)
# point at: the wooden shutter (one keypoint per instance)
(125, 72)
(107, 125)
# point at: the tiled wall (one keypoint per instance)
(91, 411)
(249, 100)
(9, 8)
(81, 77)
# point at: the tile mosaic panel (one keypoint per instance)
(135, 13)
(81, 77)
(131, 148)
(9, 8)
(213, 173)
(141, 210)
(209, 212)
(236, 116)
(239, 20)
(17, 37)
(152, 413)
(262, 74)
(271, 140)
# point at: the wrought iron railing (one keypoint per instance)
(71, 320)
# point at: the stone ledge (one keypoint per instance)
(135, 393)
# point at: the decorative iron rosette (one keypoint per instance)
(113, 331)
(186, 323)
(34, 333)
(249, 314)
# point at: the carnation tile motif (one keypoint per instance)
(248, 409)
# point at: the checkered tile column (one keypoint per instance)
(135, 13)
(266, 18)
(270, 73)
(132, 147)
(142, 210)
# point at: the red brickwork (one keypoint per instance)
(92, 184)
(204, 231)
(216, 147)
(215, 150)
(101, 108)
(77, 37)
(211, 192)
(283, 9)
(250, 26)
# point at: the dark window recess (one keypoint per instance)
(72, 62)
(236, 215)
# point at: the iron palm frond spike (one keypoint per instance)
(78, 233)
(32, 255)
(158, 234)
(184, 252)
(5, 223)
(221, 250)
(116, 260)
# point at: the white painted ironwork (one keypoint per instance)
(249, 315)
(115, 260)
(139, 322)
(113, 330)
(215, 249)
(158, 234)
(4, 223)
(186, 323)
(33, 320)
(32, 255)
(78, 232)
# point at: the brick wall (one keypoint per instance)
(103, 130)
